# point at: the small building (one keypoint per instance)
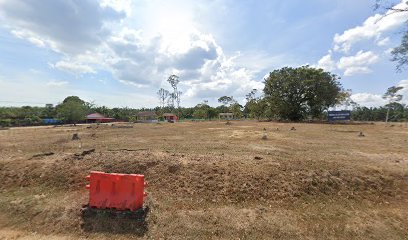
(146, 116)
(170, 117)
(98, 118)
(227, 116)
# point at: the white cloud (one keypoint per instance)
(368, 99)
(404, 84)
(372, 34)
(358, 63)
(404, 91)
(327, 63)
(383, 42)
(64, 26)
(388, 51)
(118, 5)
(73, 67)
(372, 28)
(350, 71)
(29, 36)
(91, 37)
(22, 89)
(376, 100)
(56, 83)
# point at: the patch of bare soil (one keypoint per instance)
(204, 184)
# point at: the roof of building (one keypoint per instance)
(146, 114)
(168, 115)
(96, 116)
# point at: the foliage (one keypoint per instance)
(303, 87)
(391, 94)
(298, 93)
(236, 109)
(168, 97)
(398, 113)
(175, 95)
(393, 98)
(255, 107)
(201, 110)
(226, 100)
(163, 94)
(399, 53)
(72, 110)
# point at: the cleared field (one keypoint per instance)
(211, 180)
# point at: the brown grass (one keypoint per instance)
(211, 180)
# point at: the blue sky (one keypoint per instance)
(119, 53)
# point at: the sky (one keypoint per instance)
(120, 53)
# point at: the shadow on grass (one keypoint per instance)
(114, 221)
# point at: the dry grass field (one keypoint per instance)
(209, 180)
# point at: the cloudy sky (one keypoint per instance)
(119, 53)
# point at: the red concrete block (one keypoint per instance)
(116, 191)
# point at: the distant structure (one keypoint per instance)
(146, 116)
(98, 118)
(226, 116)
(51, 121)
(344, 115)
(170, 117)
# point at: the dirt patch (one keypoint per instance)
(206, 184)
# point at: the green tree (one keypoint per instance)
(176, 94)
(72, 109)
(297, 93)
(226, 100)
(255, 107)
(236, 109)
(48, 111)
(201, 110)
(234, 106)
(392, 97)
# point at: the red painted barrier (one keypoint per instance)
(116, 191)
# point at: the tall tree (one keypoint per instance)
(163, 94)
(178, 98)
(392, 96)
(72, 109)
(226, 100)
(255, 107)
(346, 100)
(297, 93)
(175, 96)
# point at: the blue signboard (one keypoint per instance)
(338, 115)
(51, 121)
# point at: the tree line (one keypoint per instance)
(290, 94)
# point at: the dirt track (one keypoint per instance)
(212, 180)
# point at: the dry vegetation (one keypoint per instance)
(211, 180)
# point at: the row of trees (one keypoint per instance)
(255, 109)
(292, 94)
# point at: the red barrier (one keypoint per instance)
(116, 191)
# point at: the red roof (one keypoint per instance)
(96, 116)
